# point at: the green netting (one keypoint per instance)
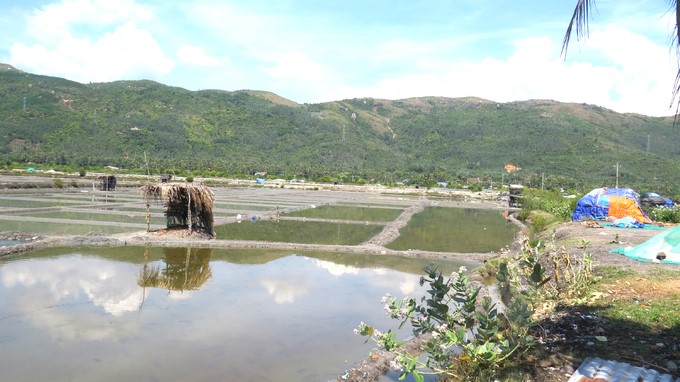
(663, 248)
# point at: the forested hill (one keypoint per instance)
(53, 120)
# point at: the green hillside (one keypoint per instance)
(59, 122)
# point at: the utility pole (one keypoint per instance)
(343, 134)
(146, 164)
(648, 143)
(542, 180)
(617, 174)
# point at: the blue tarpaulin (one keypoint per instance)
(615, 203)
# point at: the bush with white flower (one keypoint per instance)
(463, 328)
(465, 333)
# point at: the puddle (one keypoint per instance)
(6, 243)
(177, 314)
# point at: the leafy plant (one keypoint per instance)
(469, 334)
(467, 331)
(546, 275)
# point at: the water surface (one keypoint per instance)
(461, 230)
(349, 213)
(298, 232)
(178, 314)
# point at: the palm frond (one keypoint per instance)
(676, 43)
(578, 23)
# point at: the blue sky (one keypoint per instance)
(325, 50)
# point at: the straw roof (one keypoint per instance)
(183, 201)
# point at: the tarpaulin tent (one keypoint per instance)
(603, 203)
(663, 248)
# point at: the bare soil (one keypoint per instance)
(571, 334)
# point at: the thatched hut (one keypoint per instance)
(107, 182)
(187, 205)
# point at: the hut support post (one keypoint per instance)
(189, 208)
(148, 217)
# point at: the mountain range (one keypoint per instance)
(145, 124)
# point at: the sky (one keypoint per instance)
(312, 51)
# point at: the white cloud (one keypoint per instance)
(407, 287)
(196, 55)
(636, 75)
(296, 66)
(126, 52)
(285, 290)
(45, 285)
(259, 34)
(55, 22)
(336, 269)
(91, 40)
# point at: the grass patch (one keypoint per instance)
(651, 300)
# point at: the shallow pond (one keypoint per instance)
(164, 314)
(291, 231)
(462, 230)
(14, 203)
(55, 227)
(349, 213)
(138, 218)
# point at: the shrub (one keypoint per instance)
(464, 330)
(666, 215)
(550, 201)
(58, 183)
(540, 220)
(469, 336)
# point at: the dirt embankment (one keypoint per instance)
(578, 238)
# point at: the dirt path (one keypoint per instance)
(391, 230)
